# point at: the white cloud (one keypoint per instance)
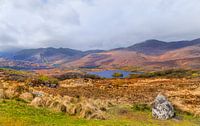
(87, 24)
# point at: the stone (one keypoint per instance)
(162, 109)
(38, 94)
(26, 96)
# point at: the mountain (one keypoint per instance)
(156, 47)
(47, 55)
(148, 54)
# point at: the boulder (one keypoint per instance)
(162, 108)
(26, 96)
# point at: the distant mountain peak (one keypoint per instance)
(156, 47)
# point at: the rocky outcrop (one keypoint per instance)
(162, 108)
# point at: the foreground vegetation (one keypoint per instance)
(17, 113)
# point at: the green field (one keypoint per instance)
(17, 113)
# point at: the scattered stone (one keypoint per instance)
(162, 108)
(26, 96)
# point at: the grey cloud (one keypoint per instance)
(90, 24)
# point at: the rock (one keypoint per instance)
(162, 108)
(2, 94)
(38, 94)
(26, 97)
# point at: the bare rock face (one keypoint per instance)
(26, 96)
(162, 108)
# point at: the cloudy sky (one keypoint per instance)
(91, 24)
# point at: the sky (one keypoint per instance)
(95, 24)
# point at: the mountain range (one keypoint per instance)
(153, 54)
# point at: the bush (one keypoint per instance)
(15, 75)
(43, 81)
(141, 107)
(172, 73)
(75, 75)
(117, 74)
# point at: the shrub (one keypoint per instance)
(43, 81)
(141, 107)
(15, 75)
(74, 75)
(172, 73)
(117, 74)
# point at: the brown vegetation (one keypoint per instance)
(184, 93)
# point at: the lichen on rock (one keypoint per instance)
(162, 108)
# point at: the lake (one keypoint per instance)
(109, 73)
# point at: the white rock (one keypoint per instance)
(162, 108)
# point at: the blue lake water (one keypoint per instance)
(109, 73)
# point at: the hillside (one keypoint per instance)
(110, 59)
